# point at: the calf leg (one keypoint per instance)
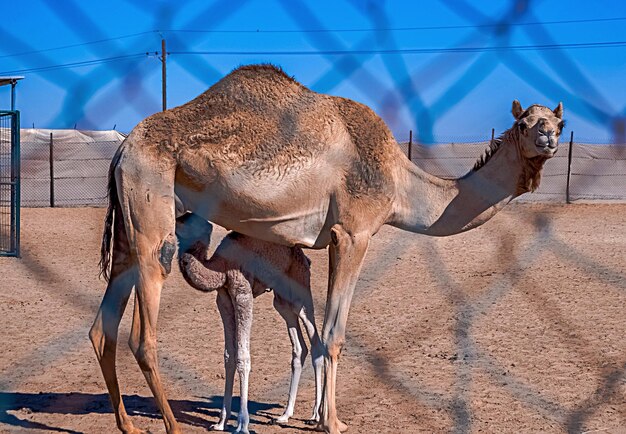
(300, 273)
(317, 355)
(241, 291)
(298, 353)
(227, 312)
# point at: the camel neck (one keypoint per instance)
(429, 205)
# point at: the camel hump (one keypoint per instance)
(266, 70)
(256, 83)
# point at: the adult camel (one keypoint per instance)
(261, 154)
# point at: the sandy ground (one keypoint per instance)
(518, 326)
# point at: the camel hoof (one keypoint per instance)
(281, 419)
(334, 428)
(216, 427)
(342, 426)
(133, 430)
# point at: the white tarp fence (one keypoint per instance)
(598, 171)
(81, 163)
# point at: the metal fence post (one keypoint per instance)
(493, 135)
(51, 171)
(410, 145)
(569, 167)
(18, 179)
(13, 186)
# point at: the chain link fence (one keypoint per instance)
(597, 171)
(69, 168)
(66, 167)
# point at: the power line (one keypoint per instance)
(582, 45)
(63, 47)
(74, 64)
(614, 44)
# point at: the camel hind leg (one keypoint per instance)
(103, 333)
(147, 201)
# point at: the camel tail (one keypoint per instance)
(113, 209)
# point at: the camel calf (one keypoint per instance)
(241, 269)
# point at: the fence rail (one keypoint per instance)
(61, 169)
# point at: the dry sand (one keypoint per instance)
(517, 326)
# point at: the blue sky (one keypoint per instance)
(440, 68)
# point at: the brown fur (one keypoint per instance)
(265, 265)
(530, 177)
(371, 137)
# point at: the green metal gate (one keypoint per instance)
(9, 183)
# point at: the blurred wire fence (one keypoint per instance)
(66, 167)
(69, 167)
(372, 61)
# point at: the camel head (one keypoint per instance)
(539, 129)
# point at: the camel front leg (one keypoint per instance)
(227, 312)
(298, 353)
(347, 253)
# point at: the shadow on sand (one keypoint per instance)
(74, 403)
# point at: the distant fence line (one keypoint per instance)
(597, 171)
(68, 168)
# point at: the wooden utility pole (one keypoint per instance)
(164, 74)
(569, 167)
(51, 171)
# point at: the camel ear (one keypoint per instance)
(558, 111)
(517, 109)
